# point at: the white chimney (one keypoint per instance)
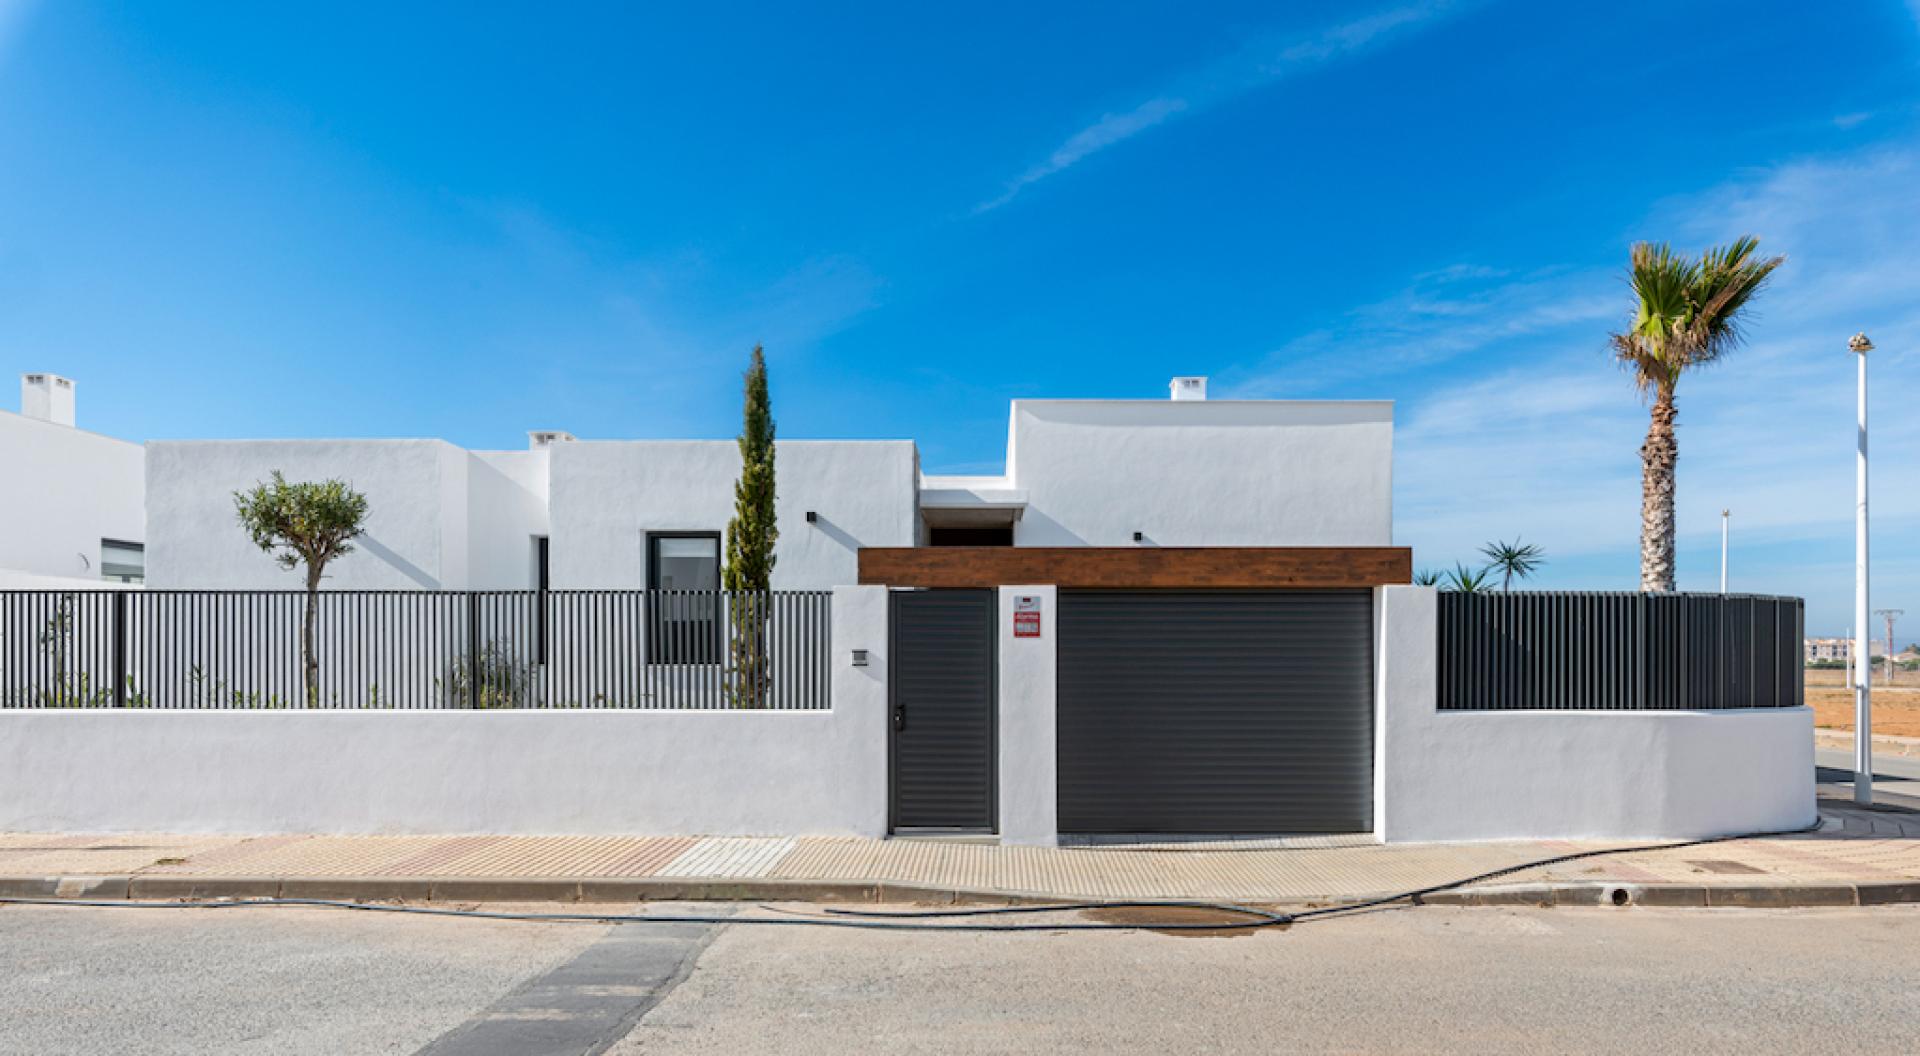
(48, 397)
(541, 439)
(1189, 388)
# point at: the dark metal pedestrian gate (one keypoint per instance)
(1215, 712)
(942, 710)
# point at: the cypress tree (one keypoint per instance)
(750, 537)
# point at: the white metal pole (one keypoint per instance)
(1862, 670)
(1725, 515)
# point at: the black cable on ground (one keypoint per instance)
(906, 920)
(620, 918)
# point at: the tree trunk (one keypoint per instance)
(309, 663)
(1658, 458)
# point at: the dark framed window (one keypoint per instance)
(684, 607)
(123, 561)
(541, 584)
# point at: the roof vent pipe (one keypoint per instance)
(48, 397)
(1189, 388)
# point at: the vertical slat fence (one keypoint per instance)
(569, 649)
(1619, 651)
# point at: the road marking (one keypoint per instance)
(581, 1007)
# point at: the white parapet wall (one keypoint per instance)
(516, 772)
(1492, 775)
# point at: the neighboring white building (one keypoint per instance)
(1181, 472)
(77, 501)
(1827, 649)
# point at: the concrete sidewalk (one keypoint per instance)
(1859, 856)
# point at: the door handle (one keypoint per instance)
(899, 717)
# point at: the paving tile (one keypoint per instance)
(1869, 847)
(730, 857)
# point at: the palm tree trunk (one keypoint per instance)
(1658, 457)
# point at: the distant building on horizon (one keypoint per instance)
(1827, 649)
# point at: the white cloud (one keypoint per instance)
(1253, 67)
(1452, 312)
(1110, 129)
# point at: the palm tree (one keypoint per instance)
(1513, 559)
(1688, 315)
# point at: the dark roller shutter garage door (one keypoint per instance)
(1215, 712)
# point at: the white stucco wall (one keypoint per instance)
(606, 494)
(1443, 776)
(79, 488)
(1220, 473)
(560, 772)
(416, 490)
(506, 510)
(1028, 761)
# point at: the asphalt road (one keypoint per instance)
(1427, 980)
(1896, 779)
(1885, 766)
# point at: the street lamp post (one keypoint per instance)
(1862, 670)
(1725, 515)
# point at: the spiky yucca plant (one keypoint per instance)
(1513, 559)
(1466, 580)
(1687, 314)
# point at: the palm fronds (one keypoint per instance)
(1687, 312)
(1515, 559)
(1466, 580)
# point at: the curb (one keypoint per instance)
(1744, 896)
(148, 887)
(159, 887)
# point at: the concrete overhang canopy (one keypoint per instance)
(962, 502)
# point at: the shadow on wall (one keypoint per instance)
(834, 532)
(1038, 529)
(405, 567)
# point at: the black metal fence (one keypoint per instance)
(1619, 651)
(417, 649)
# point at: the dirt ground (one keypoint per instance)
(1896, 707)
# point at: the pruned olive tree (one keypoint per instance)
(308, 523)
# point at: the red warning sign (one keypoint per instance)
(1026, 625)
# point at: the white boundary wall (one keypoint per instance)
(558, 772)
(1441, 776)
(1028, 761)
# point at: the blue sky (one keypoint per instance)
(465, 221)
